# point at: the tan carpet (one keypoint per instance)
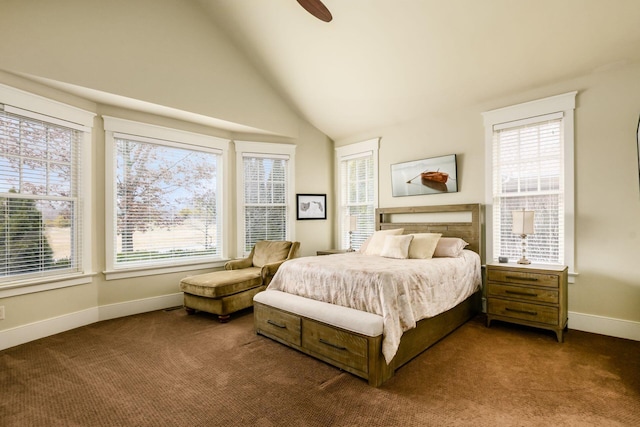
(168, 369)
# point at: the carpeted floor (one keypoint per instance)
(168, 369)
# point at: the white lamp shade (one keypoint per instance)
(522, 222)
(352, 220)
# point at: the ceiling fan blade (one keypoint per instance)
(317, 9)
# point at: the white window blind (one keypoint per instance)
(168, 202)
(266, 205)
(357, 194)
(40, 199)
(528, 173)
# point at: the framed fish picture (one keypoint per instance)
(311, 206)
(435, 175)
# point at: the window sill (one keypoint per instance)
(44, 284)
(155, 270)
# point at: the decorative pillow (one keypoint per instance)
(423, 245)
(377, 240)
(396, 246)
(449, 247)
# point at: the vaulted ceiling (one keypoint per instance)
(382, 62)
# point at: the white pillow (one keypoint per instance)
(396, 246)
(377, 240)
(364, 246)
(449, 247)
(423, 245)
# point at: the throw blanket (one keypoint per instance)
(402, 291)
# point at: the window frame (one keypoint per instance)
(170, 137)
(265, 149)
(529, 111)
(344, 153)
(58, 113)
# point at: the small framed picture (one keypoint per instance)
(311, 206)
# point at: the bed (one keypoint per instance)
(372, 336)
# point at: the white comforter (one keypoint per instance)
(401, 291)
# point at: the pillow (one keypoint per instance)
(396, 246)
(449, 247)
(364, 246)
(423, 245)
(377, 240)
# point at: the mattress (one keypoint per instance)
(401, 291)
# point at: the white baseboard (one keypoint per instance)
(121, 309)
(605, 326)
(22, 334)
(44, 328)
(55, 325)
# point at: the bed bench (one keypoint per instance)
(341, 336)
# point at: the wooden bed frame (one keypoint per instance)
(360, 354)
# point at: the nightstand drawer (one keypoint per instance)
(523, 311)
(278, 324)
(532, 294)
(523, 277)
(340, 346)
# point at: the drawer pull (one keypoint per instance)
(526, 294)
(276, 324)
(528, 279)
(532, 313)
(325, 342)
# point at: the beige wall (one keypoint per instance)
(607, 184)
(157, 51)
(313, 175)
(161, 51)
(164, 52)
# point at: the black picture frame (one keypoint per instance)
(311, 206)
(440, 176)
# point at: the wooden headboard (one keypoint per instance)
(462, 221)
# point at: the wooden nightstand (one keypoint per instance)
(533, 295)
(331, 252)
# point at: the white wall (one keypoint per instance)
(165, 52)
(161, 51)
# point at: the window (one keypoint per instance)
(266, 204)
(530, 150)
(42, 209)
(358, 189)
(165, 197)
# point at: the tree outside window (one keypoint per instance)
(166, 202)
(39, 230)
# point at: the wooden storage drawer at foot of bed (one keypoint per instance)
(277, 324)
(529, 312)
(340, 346)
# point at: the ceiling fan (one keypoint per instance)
(317, 9)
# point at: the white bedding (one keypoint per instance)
(402, 291)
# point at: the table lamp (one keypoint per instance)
(523, 225)
(352, 220)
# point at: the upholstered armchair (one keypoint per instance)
(232, 289)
